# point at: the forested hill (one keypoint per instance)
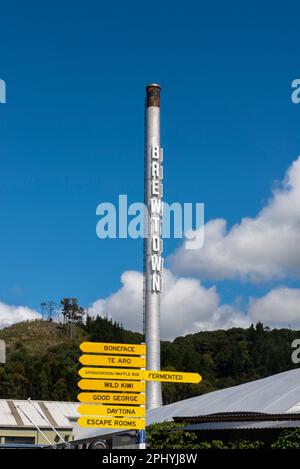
(42, 361)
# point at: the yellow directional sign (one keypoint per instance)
(172, 376)
(110, 373)
(103, 360)
(106, 422)
(103, 385)
(112, 411)
(118, 349)
(112, 398)
(126, 374)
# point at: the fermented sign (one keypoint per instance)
(106, 422)
(103, 360)
(126, 374)
(118, 349)
(103, 385)
(172, 376)
(112, 398)
(112, 411)
(110, 373)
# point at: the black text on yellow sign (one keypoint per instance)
(103, 360)
(171, 376)
(110, 373)
(103, 385)
(118, 349)
(112, 398)
(127, 374)
(112, 411)
(121, 423)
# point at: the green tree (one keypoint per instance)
(43, 385)
(289, 439)
(72, 314)
(163, 436)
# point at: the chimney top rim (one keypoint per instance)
(153, 85)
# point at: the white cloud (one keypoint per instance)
(124, 306)
(261, 248)
(186, 306)
(10, 314)
(280, 307)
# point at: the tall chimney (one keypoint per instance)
(153, 262)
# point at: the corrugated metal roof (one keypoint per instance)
(6, 414)
(63, 410)
(276, 394)
(236, 417)
(295, 408)
(63, 414)
(242, 425)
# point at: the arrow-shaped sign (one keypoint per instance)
(139, 375)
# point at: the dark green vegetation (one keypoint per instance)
(290, 439)
(42, 359)
(166, 435)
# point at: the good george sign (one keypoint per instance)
(112, 398)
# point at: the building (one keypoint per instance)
(24, 423)
(277, 394)
(251, 426)
(258, 409)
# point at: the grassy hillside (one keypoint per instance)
(36, 336)
(42, 361)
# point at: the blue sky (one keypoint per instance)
(71, 132)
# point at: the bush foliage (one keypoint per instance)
(42, 361)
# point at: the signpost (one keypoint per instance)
(105, 360)
(110, 385)
(111, 398)
(110, 373)
(172, 376)
(124, 374)
(104, 422)
(113, 410)
(118, 371)
(118, 349)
